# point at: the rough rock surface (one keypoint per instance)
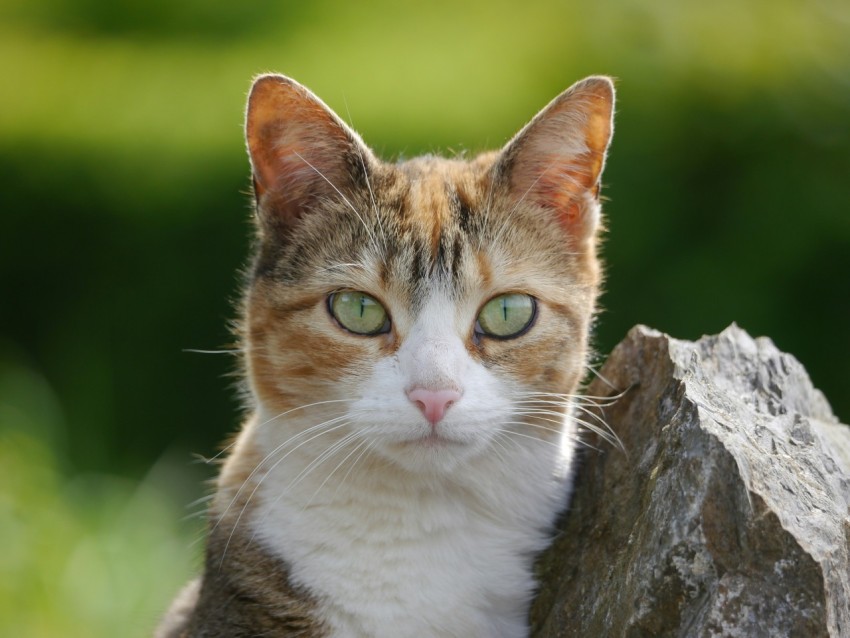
(727, 513)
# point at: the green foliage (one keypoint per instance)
(124, 220)
(93, 555)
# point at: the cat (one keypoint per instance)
(414, 335)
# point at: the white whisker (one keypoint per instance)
(271, 469)
(324, 456)
(502, 436)
(277, 449)
(497, 442)
(333, 471)
(353, 464)
(347, 201)
(507, 222)
(599, 376)
(606, 434)
(341, 266)
(225, 449)
(542, 410)
(607, 400)
(488, 209)
(375, 208)
(590, 406)
(224, 351)
(525, 436)
(537, 415)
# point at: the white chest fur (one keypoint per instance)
(389, 553)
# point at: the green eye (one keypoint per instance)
(359, 313)
(506, 315)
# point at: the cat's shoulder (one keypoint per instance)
(176, 619)
(244, 592)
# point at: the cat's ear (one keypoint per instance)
(300, 151)
(556, 161)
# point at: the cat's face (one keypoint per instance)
(428, 311)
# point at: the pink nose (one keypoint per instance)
(433, 403)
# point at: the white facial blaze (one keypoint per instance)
(433, 356)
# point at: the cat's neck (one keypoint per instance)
(377, 533)
(310, 484)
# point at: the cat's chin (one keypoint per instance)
(433, 440)
(432, 453)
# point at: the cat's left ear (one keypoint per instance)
(556, 161)
(301, 152)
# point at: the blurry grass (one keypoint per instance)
(84, 555)
(415, 75)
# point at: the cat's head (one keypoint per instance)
(427, 310)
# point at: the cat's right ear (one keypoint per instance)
(301, 151)
(556, 161)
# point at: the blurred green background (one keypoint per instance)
(125, 219)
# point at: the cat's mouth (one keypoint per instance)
(433, 440)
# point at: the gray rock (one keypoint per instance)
(727, 513)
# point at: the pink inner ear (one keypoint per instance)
(557, 159)
(562, 184)
(295, 167)
(299, 149)
(287, 152)
(280, 169)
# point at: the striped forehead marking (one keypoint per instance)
(438, 215)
